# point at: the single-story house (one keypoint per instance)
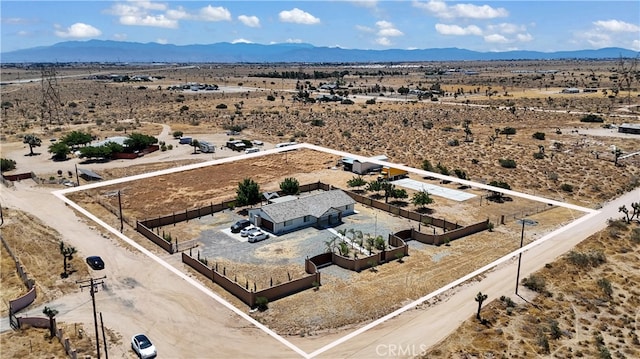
(289, 213)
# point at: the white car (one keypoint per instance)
(258, 236)
(143, 346)
(245, 232)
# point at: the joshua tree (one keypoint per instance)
(195, 143)
(51, 313)
(617, 153)
(32, 141)
(480, 298)
(67, 253)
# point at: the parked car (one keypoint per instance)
(248, 230)
(240, 225)
(95, 262)
(143, 346)
(258, 236)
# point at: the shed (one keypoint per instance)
(89, 175)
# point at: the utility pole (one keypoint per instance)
(120, 206)
(92, 283)
(520, 256)
(104, 338)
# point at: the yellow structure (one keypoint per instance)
(392, 174)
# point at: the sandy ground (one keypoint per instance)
(142, 296)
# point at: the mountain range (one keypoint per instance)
(224, 52)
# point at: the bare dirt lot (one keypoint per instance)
(408, 130)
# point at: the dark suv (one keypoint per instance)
(238, 226)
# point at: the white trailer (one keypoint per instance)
(207, 147)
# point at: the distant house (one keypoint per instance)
(571, 90)
(629, 128)
(358, 167)
(285, 214)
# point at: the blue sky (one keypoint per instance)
(542, 25)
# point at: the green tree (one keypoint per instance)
(138, 142)
(33, 141)
(177, 134)
(508, 131)
(7, 164)
(538, 135)
(374, 186)
(421, 199)
(67, 252)
(60, 150)
(76, 138)
(195, 144)
(50, 313)
(248, 192)
(356, 181)
(290, 186)
(480, 298)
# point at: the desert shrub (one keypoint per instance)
(507, 163)
(371, 101)
(346, 134)
(262, 303)
(317, 122)
(635, 235)
(7, 164)
(592, 258)
(271, 98)
(619, 224)
(543, 342)
(592, 118)
(427, 125)
(566, 187)
(538, 155)
(221, 106)
(508, 302)
(454, 142)
(535, 282)
(508, 131)
(538, 135)
(460, 174)
(606, 287)
(177, 134)
(347, 101)
(554, 329)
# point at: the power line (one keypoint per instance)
(92, 284)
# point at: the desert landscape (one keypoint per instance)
(509, 123)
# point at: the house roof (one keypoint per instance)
(313, 205)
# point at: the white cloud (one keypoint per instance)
(386, 29)
(635, 45)
(440, 9)
(149, 5)
(372, 4)
(241, 41)
(597, 39)
(251, 21)
(616, 26)
(364, 28)
(178, 14)
(298, 16)
(211, 13)
(496, 38)
(506, 28)
(457, 30)
(120, 37)
(293, 41)
(162, 41)
(149, 20)
(14, 20)
(383, 41)
(524, 37)
(78, 30)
